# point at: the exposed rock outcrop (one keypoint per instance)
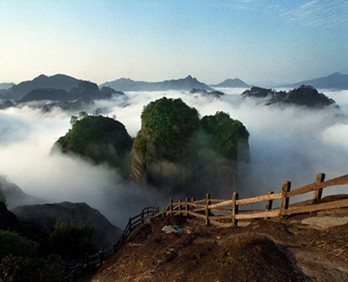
(175, 150)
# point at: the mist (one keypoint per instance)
(289, 143)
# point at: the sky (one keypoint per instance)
(258, 41)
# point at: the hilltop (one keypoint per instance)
(292, 249)
(236, 82)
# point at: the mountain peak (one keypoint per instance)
(232, 83)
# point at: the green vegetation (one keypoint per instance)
(19, 261)
(225, 132)
(13, 243)
(168, 124)
(19, 269)
(98, 138)
(71, 240)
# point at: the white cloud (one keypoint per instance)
(324, 13)
(285, 144)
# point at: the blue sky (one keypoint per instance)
(259, 41)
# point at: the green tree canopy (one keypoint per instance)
(225, 132)
(99, 138)
(168, 124)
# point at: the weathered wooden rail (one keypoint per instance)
(80, 268)
(224, 210)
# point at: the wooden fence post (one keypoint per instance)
(284, 201)
(192, 207)
(269, 203)
(171, 206)
(186, 206)
(101, 256)
(207, 210)
(142, 217)
(318, 193)
(234, 209)
(179, 207)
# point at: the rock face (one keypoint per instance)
(303, 96)
(39, 216)
(160, 154)
(98, 138)
(187, 83)
(175, 150)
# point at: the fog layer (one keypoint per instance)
(289, 143)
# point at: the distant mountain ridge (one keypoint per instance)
(58, 81)
(58, 87)
(187, 83)
(336, 81)
(232, 83)
(6, 85)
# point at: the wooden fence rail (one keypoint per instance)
(227, 210)
(94, 261)
(219, 210)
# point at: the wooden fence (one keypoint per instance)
(225, 210)
(231, 210)
(74, 270)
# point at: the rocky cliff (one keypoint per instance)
(174, 150)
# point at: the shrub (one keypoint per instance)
(71, 240)
(18, 269)
(12, 243)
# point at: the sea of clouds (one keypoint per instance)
(289, 143)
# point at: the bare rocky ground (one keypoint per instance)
(303, 248)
